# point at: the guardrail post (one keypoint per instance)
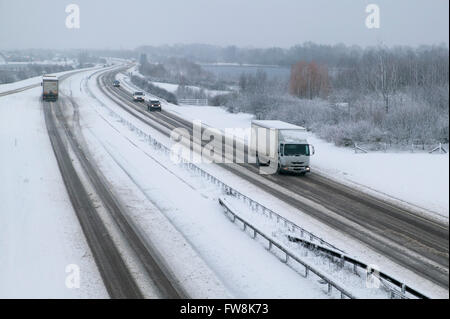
(329, 288)
(306, 272)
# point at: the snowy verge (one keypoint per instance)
(42, 245)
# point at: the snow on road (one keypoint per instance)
(39, 232)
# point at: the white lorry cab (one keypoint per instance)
(281, 146)
(49, 88)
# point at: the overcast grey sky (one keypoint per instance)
(118, 24)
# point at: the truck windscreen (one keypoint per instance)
(296, 149)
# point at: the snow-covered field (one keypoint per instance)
(39, 232)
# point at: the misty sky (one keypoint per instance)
(127, 24)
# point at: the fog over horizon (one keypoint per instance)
(264, 23)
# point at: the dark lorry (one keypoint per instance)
(49, 88)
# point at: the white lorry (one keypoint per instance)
(281, 146)
(49, 88)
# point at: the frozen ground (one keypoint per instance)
(39, 231)
(420, 179)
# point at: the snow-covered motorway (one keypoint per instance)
(417, 242)
(116, 276)
(202, 261)
(188, 245)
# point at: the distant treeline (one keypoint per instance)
(338, 55)
(29, 71)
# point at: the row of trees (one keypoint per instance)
(422, 73)
(390, 96)
(175, 70)
(393, 95)
(338, 55)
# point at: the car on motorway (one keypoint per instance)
(116, 84)
(153, 105)
(138, 96)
